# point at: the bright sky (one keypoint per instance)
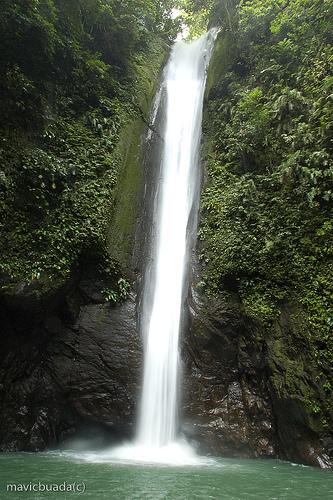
(185, 31)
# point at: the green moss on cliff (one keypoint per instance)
(267, 205)
(126, 208)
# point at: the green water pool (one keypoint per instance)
(226, 479)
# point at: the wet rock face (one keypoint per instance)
(227, 408)
(246, 391)
(64, 362)
(294, 384)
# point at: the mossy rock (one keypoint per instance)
(126, 209)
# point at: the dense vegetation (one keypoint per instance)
(73, 74)
(267, 227)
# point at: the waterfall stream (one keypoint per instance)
(174, 226)
(184, 85)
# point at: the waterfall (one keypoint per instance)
(184, 86)
(173, 228)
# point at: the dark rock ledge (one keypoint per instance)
(67, 359)
(246, 391)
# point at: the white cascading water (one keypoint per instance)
(177, 195)
(184, 82)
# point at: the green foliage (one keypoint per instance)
(195, 15)
(266, 225)
(73, 75)
(120, 293)
(199, 15)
